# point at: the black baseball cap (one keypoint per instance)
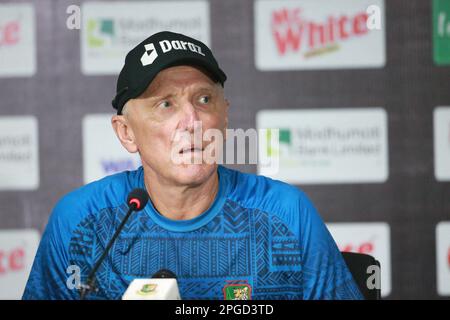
(160, 51)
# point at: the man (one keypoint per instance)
(220, 231)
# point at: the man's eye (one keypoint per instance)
(204, 99)
(164, 104)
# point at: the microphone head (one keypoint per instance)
(137, 198)
(164, 274)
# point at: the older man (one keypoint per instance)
(220, 231)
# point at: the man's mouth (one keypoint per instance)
(190, 149)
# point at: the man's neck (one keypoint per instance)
(180, 202)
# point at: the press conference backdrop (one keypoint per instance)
(360, 90)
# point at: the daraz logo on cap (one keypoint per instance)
(150, 53)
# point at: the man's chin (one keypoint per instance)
(194, 174)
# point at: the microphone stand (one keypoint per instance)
(90, 283)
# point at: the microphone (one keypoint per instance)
(136, 201)
(162, 286)
(163, 274)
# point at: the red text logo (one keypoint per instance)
(293, 32)
(11, 260)
(9, 33)
(364, 247)
(448, 258)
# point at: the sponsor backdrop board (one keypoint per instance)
(17, 40)
(111, 29)
(363, 113)
(443, 257)
(369, 238)
(19, 153)
(17, 250)
(320, 34)
(111, 157)
(329, 145)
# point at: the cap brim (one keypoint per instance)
(215, 74)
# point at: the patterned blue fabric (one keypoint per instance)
(258, 231)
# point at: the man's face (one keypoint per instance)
(163, 118)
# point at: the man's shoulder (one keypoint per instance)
(109, 188)
(108, 192)
(267, 194)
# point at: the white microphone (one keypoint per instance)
(162, 286)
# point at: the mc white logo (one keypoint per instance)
(149, 55)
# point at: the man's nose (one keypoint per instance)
(190, 117)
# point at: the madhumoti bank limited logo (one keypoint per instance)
(100, 32)
(285, 141)
(328, 145)
(284, 148)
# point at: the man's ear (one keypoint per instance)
(124, 132)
